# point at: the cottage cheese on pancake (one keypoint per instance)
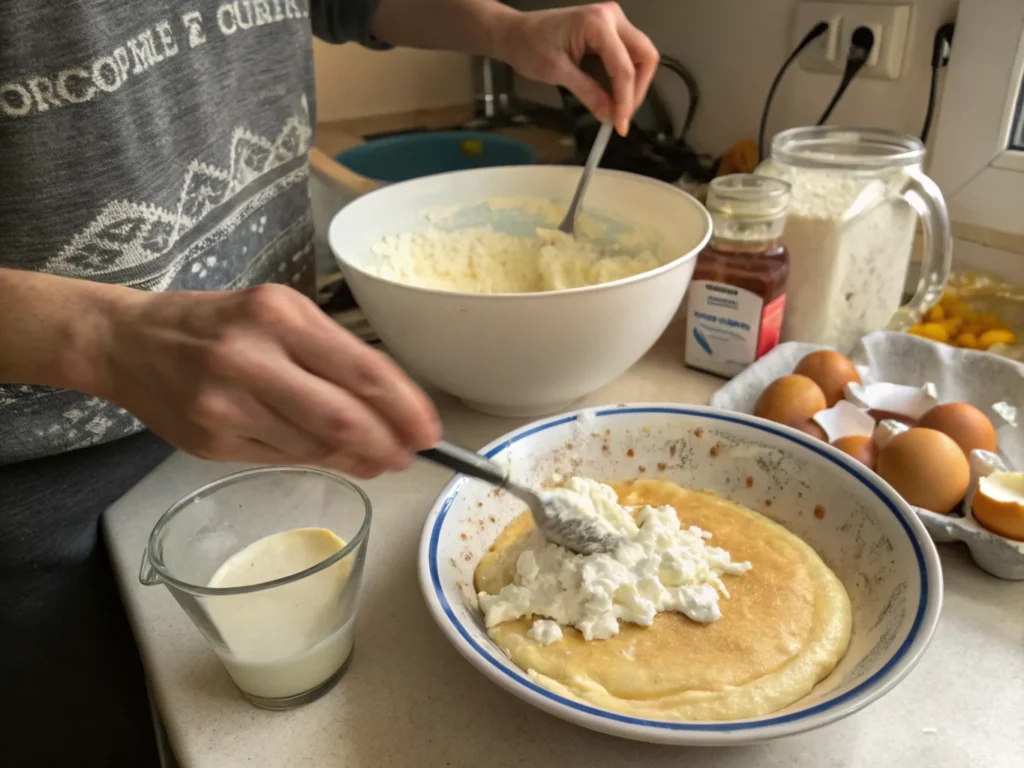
(784, 627)
(659, 566)
(485, 260)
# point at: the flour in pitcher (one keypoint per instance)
(849, 239)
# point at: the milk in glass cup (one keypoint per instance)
(267, 563)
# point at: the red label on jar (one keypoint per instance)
(771, 325)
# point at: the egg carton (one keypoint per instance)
(937, 373)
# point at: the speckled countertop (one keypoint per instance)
(409, 699)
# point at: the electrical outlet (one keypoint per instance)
(890, 23)
(826, 47)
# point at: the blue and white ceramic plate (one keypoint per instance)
(859, 526)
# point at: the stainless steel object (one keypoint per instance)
(492, 81)
(593, 66)
(568, 224)
(575, 533)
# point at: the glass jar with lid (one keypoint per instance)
(737, 297)
(856, 198)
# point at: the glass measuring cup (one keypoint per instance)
(857, 196)
(287, 640)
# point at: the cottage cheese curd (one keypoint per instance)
(660, 566)
(545, 631)
(485, 260)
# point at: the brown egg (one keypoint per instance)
(830, 371)
(926, 468)
(790, 400)
(812, 428)
(968, 426)
(860, 447)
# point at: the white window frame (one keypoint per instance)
(983, 180)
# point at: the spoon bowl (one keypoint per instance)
(557, 522)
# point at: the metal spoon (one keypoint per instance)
(593, 66)
(568, 224)
(573, 532)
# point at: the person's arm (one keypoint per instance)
(53, 330)
(260, 375)
(345, 21)
(468, 26)
(542, 45)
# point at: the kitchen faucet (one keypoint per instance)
(492, 86)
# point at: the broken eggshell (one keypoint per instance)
(983, 464)
(998, 555)
(886, 430)
(844, 419)
(912, 402)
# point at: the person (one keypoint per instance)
(155, 249)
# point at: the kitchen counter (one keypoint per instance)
(409, 699)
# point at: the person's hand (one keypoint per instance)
(262, 375)
(549, 45)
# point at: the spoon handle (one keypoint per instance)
(604, 134)
(467, 463)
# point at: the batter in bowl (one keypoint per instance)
(486, 260)
(783, 626)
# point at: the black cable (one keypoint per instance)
(933, 88)
(941, 48)
(676, 66)
(817, 31)
(861, 43)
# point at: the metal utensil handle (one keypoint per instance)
(604, 135)
(592, 65)
(466, 462)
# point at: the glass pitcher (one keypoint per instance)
(857, 196)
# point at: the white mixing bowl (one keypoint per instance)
(861, 528)
(521, 354)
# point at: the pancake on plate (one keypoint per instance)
(784, 626)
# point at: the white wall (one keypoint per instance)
(352, 81)
(734, 48)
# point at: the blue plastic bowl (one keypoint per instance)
(400, 158)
